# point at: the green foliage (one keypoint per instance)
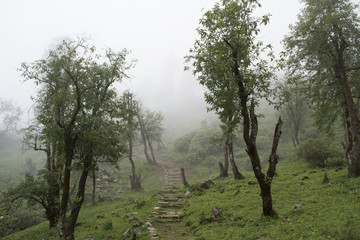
(182, 144)
(320, 152)
(200, 144)
(325, 30)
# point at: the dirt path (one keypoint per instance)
(167, 213)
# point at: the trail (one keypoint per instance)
(167, 213)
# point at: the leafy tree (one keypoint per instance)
(221, 95)
(323, 48)
(293, 108)
(227, 39)
(9, 116)
(78, 111)
(131, 125)
(151, 131)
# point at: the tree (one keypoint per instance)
(227, 39)
(9, 116)
(293, 108)
(130, 111)
(151, 131)
(222, 97)
(78, 108)
(323, 47)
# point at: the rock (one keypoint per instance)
(304, 178)
(252, 183)
(148, 224)
(206, 184)
(1, 217)
(216, 211)
(120, 191)
(312, 172)
(137, 232)
(127, 233)
(187, 194)
(297, 207)
(114, 213)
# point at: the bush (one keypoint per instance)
(319, 152)
(200, 144)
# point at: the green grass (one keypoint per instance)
(94, 220)
(328, 211)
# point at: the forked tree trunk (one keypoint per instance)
(70, 226)
(250, 130)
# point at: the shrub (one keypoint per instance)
(319, 152)
(108, 225)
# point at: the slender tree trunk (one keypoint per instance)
(142, 132)
(151, 149)
(353, 152)
(235, 170)
(93, 186)
(224, 168)
(135, 181)
(70, 227)
(185, 183)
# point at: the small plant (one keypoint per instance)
(108, 225)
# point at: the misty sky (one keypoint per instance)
(159, 34)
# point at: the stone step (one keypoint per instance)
(170, 199)
(170, 204)
(171, 212)
(166, 216)
(168, 220)
(169, 191)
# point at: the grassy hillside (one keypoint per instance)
(328, 211)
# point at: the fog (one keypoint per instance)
(159, 34)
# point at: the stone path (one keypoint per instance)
(168, 211)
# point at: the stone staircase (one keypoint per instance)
(168, 210)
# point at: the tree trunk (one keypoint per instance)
(235, 170)
(64, 199)
(224, 168)
(353, 152)
(185, 183)
(135, 181)
(93, 186)
(70, 227)
(151, 149)
(142, 132)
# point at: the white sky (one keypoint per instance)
(158, 32)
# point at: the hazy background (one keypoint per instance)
(159, 34)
